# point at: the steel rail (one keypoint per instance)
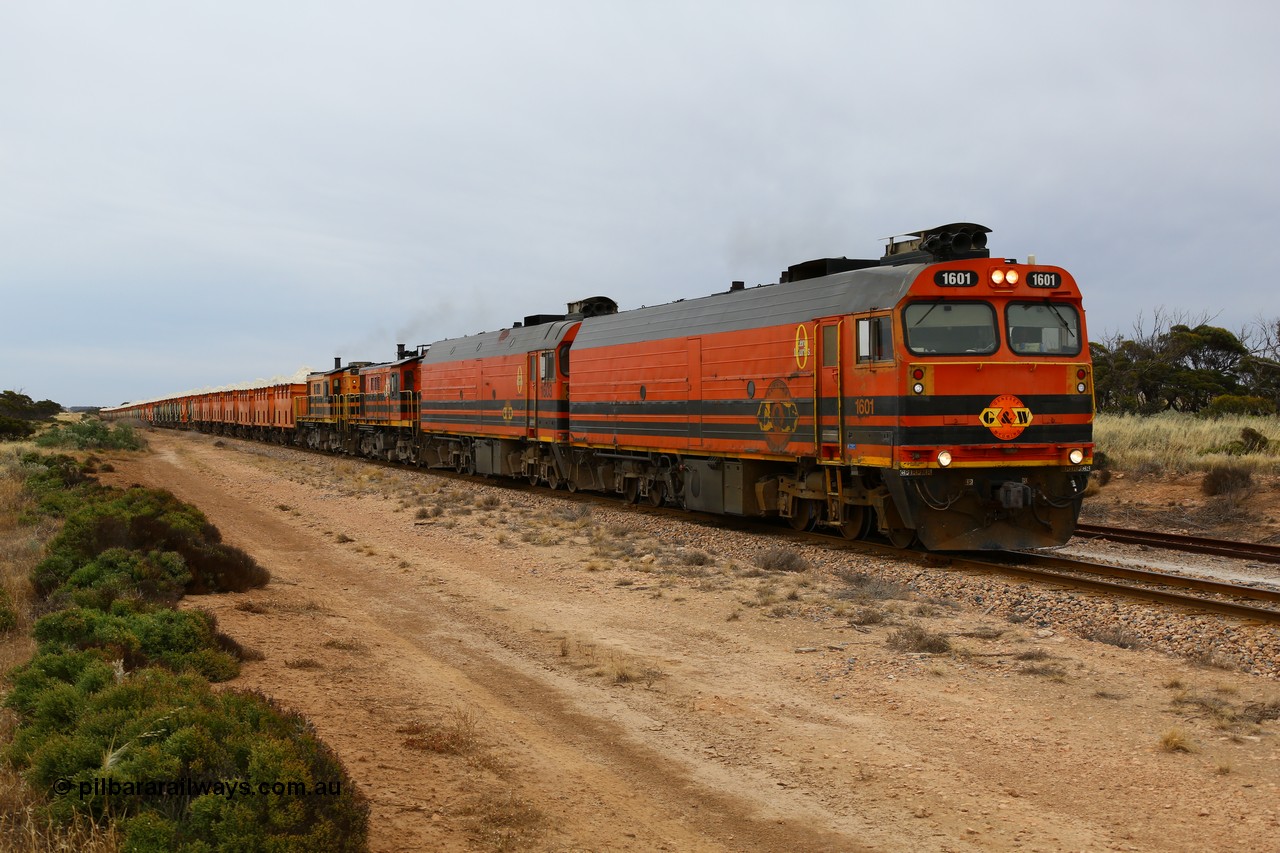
(1177, 542)
(1072, 564)
(1057, 568)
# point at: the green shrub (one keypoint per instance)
(57, 483)
(120, 574)
(182, 640)
(95, 713)
(92, 434)
(147, 520)
(83, 726)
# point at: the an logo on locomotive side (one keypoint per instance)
(802, 346)
(777, 415)
(1006, 417)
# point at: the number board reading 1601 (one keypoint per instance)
(955, 278)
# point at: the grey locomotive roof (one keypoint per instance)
(504, 342)
(773, 304)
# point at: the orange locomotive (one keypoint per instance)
(934, 394)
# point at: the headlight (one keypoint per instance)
(1076, 456)
(918, 388)
(944, 458)
(1081, 387)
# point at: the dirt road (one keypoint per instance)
(503, 670)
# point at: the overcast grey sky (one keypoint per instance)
(198, 193)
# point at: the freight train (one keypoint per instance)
(933, 395)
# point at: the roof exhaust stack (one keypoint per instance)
(337, 362)
(401, 352)
(737, 285)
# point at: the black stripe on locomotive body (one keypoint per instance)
(1039, 404)
(951, 437)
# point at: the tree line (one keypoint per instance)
(19, 414)
(1189, 366)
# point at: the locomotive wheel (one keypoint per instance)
(902, 537)
(657, 494)
(572, 485)
(534, 479)
(632, 490)
(554, 481)
(804, 517)
(857, 522)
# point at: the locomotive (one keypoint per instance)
(933, 395)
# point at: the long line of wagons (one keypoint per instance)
(935, 394)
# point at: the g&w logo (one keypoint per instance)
(1006, 417)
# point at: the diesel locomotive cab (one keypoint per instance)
(995, 426)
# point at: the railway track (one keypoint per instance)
(1242, 602)
(1175, 542)
(1255, 604)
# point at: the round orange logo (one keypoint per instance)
(1006, 417)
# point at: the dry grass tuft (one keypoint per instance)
(1226, 478)
(868, 616)
(26, 828)
(914, 638)
(504, 822)
(864, 587)
(781, 559)
(1047, 670)
(1176, 740)
(457, 734)
(1117, 637)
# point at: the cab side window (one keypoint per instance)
(875, 339)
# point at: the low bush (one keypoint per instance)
(181, 640)
(115, 715)
(1225, 479)
(188, 764)
(147, 520)
(781, 559)
(913, 638)
(92, 434)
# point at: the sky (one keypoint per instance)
(201, 193)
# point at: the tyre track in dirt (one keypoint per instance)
(426, 651)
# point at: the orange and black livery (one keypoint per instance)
(935, 394)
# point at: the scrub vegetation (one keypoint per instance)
(114, 716)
